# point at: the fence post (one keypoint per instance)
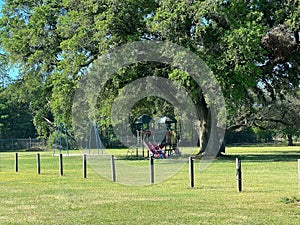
(151, 170)
(239, 174)
(113, 168)
(61, 169)
(191, 166)
(16, 162)
(84, 165)
(299, 174)
(38, 160)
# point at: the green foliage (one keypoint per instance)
(54, 42)
(15, 118)
(228, 36)
(4, 75)
(246, 135)
(63, 89)
(53, 141)
(263, 136)
(36, 93)
(3, 113)
(249, 136)
(251, 46)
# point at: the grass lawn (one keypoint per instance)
(270, 192)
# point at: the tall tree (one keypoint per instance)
(251, 46)
(56, 41)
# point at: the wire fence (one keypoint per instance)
(232, 139)
(14, 144)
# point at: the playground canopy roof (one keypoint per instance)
(167, 119)
(143, 119)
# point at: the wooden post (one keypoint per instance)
(142, 141)
(151, 170)
(191, 166)
(299, 173)
(61, 169)
(38, 161)
(137, 142)
(84, 166)
(239, 174)
(113, 168)
(16, 162)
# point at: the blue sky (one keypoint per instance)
(1, 3)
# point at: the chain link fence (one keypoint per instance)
(22, 144)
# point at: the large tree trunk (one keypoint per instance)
(211, 143)
(203, 136)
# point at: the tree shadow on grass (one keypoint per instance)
(264, 157)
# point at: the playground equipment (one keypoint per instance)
(60, 132)
(153, 148)
(167, 128)
(94, 138)
(166, 134)
(142, 124)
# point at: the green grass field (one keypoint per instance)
(270, 192)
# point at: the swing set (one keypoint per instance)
(94, 139)
(61, 133)
(61, 141)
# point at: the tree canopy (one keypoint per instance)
(251, 46)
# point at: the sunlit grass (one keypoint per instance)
(270, 192)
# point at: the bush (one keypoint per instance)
(263, 136)
(248, 135)
(245, 135)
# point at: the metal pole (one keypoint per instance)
(151, 170)
(38, 160)
(137, 142)
(191, 163)
(61, 169)
(239, 174)
(113, 168)
(16, 162)
(143, 150)
(84, 166)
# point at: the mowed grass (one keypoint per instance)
(270, 192)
